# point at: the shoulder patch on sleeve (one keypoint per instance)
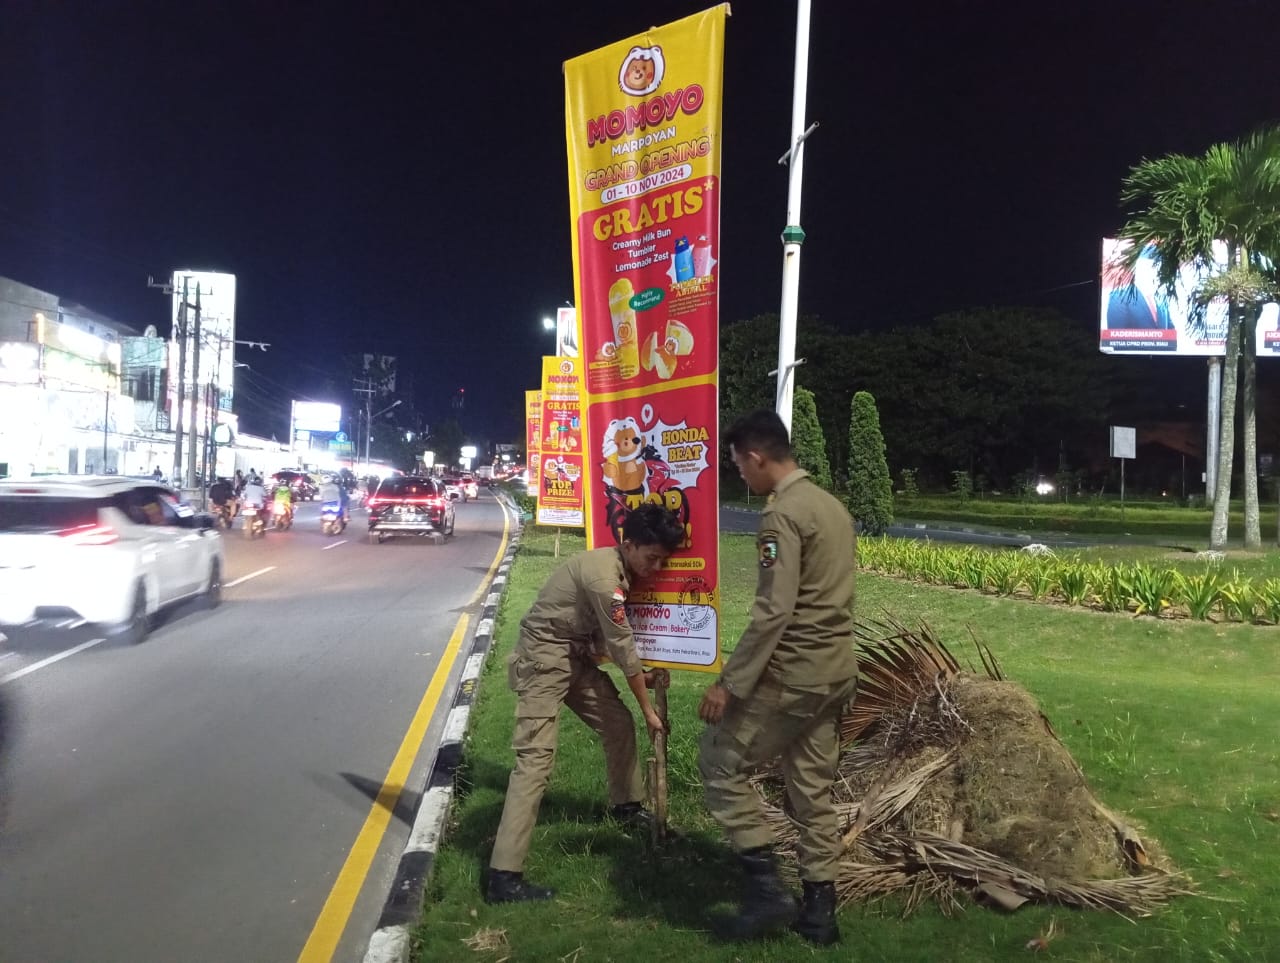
(767, 545)
(618, 612)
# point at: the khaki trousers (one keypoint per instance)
(800, 728)
(542, 689)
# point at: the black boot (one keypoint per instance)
(767, 904)
(633, 815)
(506, 887)
(817, 922)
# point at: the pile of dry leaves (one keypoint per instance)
(953, 780)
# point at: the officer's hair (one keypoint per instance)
(760, 431)
(652, 524)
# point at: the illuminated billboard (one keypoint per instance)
(1137, 316)
(316, 416)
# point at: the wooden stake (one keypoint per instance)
(658, 765)
(557, 542)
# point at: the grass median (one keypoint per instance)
(1174, 723)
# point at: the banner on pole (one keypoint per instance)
(533, 419)
(560, 470)
(642, 119)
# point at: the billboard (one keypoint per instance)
(316, 416)
(1139, 317)
(217, 299)
(559, 456)
(642, 122)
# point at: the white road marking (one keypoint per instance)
(245, 578)
(7, 655)
(49, 661)
(333, 545)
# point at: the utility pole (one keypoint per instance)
(195, 395)
(182, 370)
(792, 235)
(367, 391)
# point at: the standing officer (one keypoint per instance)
(581, 608)
(782, 690)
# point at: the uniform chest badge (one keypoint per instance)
(768, 546)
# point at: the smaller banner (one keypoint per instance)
(533, 434)
(560, 482)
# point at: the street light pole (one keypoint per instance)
(792, 235)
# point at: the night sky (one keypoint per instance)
(392, 177)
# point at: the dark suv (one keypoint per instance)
(409, 505)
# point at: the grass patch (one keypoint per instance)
(1174, 724)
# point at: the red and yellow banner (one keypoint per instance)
(560, 469)
(642, 119)
(533, 421)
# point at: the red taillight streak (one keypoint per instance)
(90, 535)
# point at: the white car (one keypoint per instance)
(106, 550)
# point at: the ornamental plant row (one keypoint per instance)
(1137, 587)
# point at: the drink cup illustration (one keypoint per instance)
(702, 257)
(624, 328)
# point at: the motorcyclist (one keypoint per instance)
(254, 494)
(224, 501)
(332, 492)
(283, 496)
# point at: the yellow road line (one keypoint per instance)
(329, 926)
(323, 941)
(497, 559)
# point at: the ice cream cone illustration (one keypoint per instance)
(624, 328)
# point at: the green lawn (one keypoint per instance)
(1175, 723)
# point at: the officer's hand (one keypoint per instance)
(657, 679)
(714, 701)
(655, 723)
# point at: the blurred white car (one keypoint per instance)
(105, 550)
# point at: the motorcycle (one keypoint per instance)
(281, 516)
(255, 522)
(333, 521)
(224, 515)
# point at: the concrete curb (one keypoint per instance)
(392, 940)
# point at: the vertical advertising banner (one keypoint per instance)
(533, 421)
(642, 119)
(560, 481)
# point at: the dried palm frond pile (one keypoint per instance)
(953, 780)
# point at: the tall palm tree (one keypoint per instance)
(1179, 206)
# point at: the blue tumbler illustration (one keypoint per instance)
(684, 260)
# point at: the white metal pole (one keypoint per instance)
(1213, 429)
(792, 235)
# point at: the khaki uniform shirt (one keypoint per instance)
(801, 629)
(580, 611)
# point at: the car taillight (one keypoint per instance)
(435, 502)
(90, 535)
(373, 502)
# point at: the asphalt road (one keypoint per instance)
(195, 797)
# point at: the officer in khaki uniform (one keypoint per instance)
(579, 614)
(782, 690)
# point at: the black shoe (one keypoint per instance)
(767, 904)
(817, 922)
(506, 887)
(633, 815)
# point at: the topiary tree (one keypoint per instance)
(870, 488)
(807, 440)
